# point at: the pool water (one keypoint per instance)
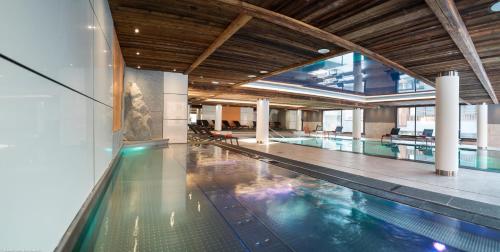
(187, 198)
(485, 160)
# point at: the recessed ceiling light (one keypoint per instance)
(201, 76)
(137, 53)
(138, 67)
(232, 83)
(251, 76)
(323, 50)
(495, 7)
(263, 71)
(215, 82)
(136, 30)
(175, 70)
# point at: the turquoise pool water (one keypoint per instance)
(485, 160)
(186, 198)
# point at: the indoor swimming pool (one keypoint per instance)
(188, 198)
(486, 160)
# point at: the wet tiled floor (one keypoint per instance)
(188, 198)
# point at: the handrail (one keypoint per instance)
(276, 133)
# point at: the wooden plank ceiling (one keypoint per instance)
(174, 33)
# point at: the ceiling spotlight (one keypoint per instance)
(175, 70)
(136, 30)
(251, 76)
(138, 67)
(231, 83)
(495, 7)
(137, 53)
(263, 71)
(201, 76)
(215, 82)
(323, 51)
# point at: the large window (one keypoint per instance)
(468, 121)
(406, 121)
(425, 119)
(334, 118)
(413, 120)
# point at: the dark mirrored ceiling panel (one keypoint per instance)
(352, 72)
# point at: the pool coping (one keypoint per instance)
(475, 212)
(72, 234)
(393, 158)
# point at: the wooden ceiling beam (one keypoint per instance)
(299, 26)
(237, 23)
(448, 15)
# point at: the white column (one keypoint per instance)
(447, 118)
(218, 117)
(298, 127)
(175, 107)
(356, 123)
(262, 133)
(482, 126)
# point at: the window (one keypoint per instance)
(413, 120)
(406, 121)
(334, 118)
(425, 119)
(468, 121)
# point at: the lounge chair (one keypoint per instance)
(426, 135)
(226, 124)
(338, 130)
(393, 135)
(239, 126)
(319, 130)
(254, 124)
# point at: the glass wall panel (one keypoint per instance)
(347, 120)
(468, 121)
(425, 119)
(332, 119)
(406, 121)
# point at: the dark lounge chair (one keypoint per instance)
(338, 130)
(239, 126)
(393, 135)
(226, 124)
(426, 135)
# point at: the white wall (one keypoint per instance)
(208, 112)
(247, 116)
(175, 114)
(55, 131)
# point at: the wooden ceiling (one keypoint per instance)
(174, 33)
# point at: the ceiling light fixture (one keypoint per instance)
(263, 71)
(175, 70)
(136, 30)
(215, 82)
(323, 51)
(231, 83)
(138, 67)
(137, 53)
(495, 7)
(251, 76)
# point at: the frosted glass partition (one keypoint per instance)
(46, 158)
(55, 143)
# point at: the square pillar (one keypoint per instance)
(482, 126)
(218, 117)
(175, 113)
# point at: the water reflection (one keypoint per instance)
(486, 160)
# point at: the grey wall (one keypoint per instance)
(383, 114)
(151, 86)
(312, 116)
(494, 114)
